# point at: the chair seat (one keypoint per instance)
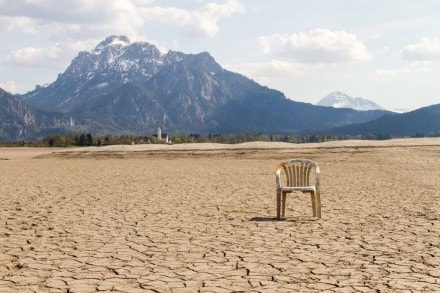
(299, 188)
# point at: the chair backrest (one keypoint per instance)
(297, 173)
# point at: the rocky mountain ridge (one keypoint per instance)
(124, 87)
(20, 121)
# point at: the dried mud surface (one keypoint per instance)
(201, 218)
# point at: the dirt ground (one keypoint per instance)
(201, 218)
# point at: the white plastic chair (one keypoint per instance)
(296, 175)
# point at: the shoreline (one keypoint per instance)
(12, 153)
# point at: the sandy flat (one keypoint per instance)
(201, 218)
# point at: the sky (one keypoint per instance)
(385, 51)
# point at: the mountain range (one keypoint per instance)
(421, 122)
(339, 99)
(121, 87)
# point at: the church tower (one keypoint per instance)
(159, 134)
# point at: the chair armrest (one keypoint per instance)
(317, 176)
(280, 168)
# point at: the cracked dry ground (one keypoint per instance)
(205, 223)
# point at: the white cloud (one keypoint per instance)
(426, 49)
(19, 24)
(124, 19)
(91, 20)
(67, 11)
(316, 46)
(9, 86)
(34, 57)
(272, 69)
(201, 22)
(77, 19)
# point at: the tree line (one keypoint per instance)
(87, 139)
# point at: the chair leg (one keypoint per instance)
(318, 205)
(312, 195)
(278, 204)
(283, 205)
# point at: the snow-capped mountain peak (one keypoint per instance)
(338, 99)
(112, 41)
(114, 62)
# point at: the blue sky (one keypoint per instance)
(386, 51)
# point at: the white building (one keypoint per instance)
(161, 136)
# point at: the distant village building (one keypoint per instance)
(159, 138)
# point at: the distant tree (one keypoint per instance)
(82, 140)
(56, 140)
(75, 140)
(89, 139)
(60, 140)
(179, 138)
